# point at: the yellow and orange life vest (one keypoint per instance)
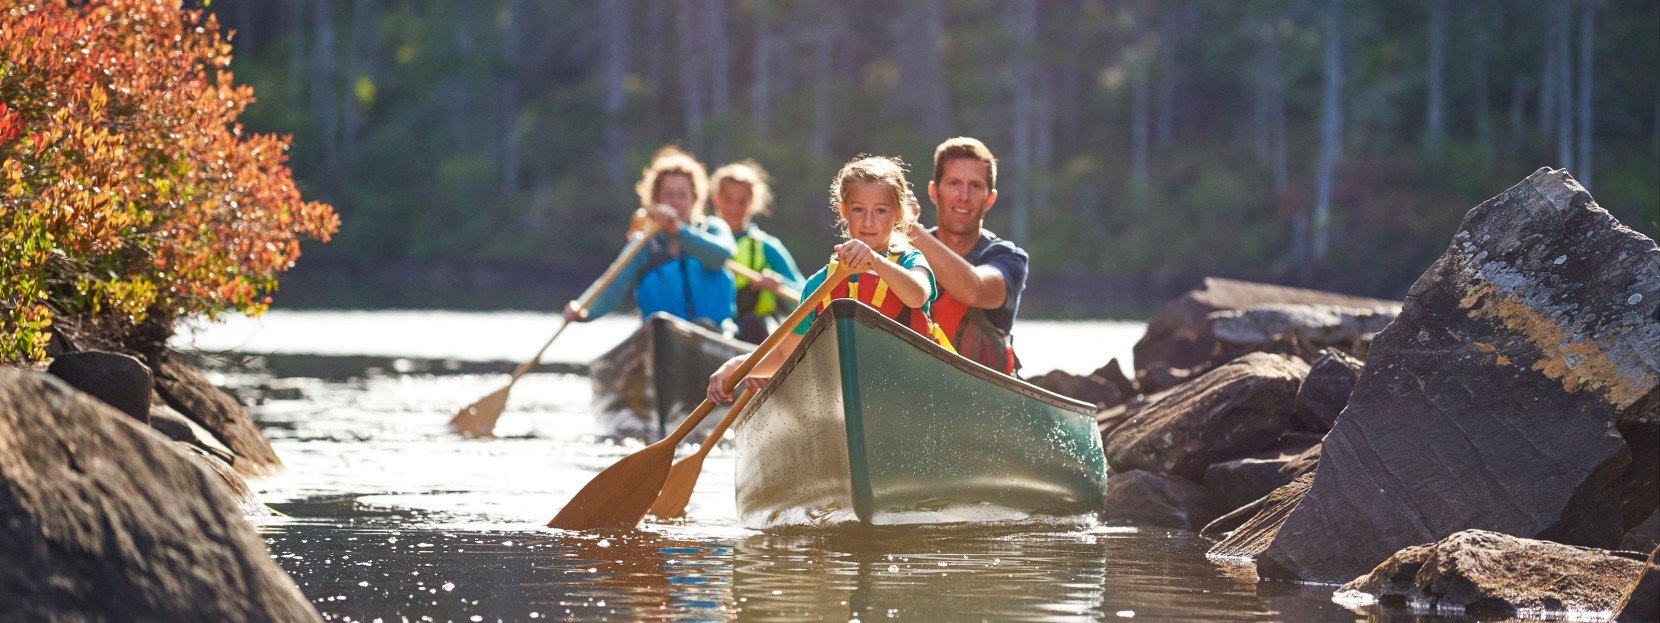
(871, 290)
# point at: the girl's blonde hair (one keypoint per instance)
(670, 160)
(749, 173)
(889, 171)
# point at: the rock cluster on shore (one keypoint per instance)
(1512, 404)
(106, 519)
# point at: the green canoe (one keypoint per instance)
(869, 422)
(646, 385)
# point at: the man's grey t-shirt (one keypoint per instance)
(1008, 259)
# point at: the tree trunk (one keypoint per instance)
(324, 82)
(1276, 117)
(360, 66)
(614, 23)
(718, 69)
(692, 72)
(760, 86)
(1331, 130)
(246, 23)
(1025, 36)
(1140, 129)
(1435, 106)
(296, 52)
(1587, 25)
(1547, 74)
(512, 87)
(1164, 121)
(1564, 88)
(824, 79)
(1259, 100)
(919, 42)
(1484, 102)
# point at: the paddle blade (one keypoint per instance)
(677, 488)
(619, 496)
(479, 418)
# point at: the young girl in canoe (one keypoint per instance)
(875, 210)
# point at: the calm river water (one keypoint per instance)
(391, 518)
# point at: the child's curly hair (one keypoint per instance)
(749, 173)
(889, 171)
(671, 160)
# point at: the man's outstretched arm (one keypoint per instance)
(976, 286)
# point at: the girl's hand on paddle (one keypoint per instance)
(717, 382)
(856, 256)
(666, 217)
(755, 383)
(575, 312)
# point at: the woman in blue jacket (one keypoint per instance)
(682, 269)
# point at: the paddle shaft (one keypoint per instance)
(837, 274)
(593, 291)
(789, 294)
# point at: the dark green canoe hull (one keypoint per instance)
(869, 422)
(646, 385)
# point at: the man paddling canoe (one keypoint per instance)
(981, 275)
(683, 269)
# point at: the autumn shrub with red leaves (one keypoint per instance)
(130, 196)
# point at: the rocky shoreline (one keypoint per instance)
(1508, 410)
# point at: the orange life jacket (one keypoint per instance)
(871, 290)
(973, 334)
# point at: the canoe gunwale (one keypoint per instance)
(868, 316)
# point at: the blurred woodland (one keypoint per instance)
(481, 153)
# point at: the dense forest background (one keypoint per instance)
(481, 153)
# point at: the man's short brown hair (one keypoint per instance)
(965, 147)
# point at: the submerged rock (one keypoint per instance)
(1235, 484)
(1234, 410)
(1326, 390)
(186, 390)
(1146, 498)
(1180, 345)
(1494, 401)
(1490, 574)
(1257, 532)
(121, 381)
(104, 520)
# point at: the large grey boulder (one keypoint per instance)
(187, 391)
(1310, 328)
(121, 381)
(1498, 397)
(1241, 407)
(1179, 343)
(1482, 573)
(102, 519)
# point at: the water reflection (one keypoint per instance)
(682, 573)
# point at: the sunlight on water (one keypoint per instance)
(1043, 345)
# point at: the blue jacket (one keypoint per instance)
(692, 284)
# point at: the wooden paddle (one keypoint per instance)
(677, 488)
(479, 418)
(785, 292)
(620, 496)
